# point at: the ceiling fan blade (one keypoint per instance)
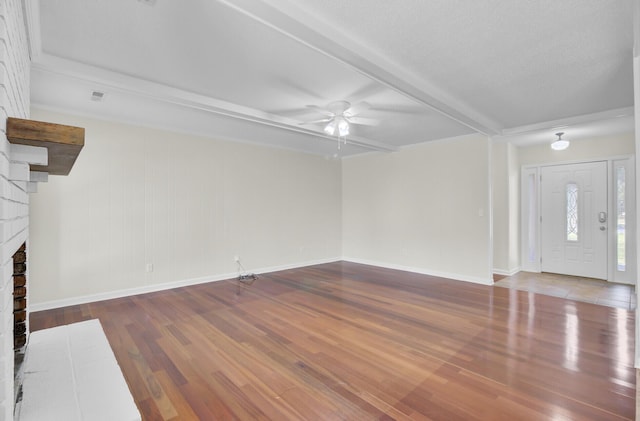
(320, 110)
(363, 121)
(366, 91)
(358, 108)
(324, 120)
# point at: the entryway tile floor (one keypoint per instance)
(573, 288)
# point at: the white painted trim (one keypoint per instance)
(200, 133)
(48, 305)
(570, 121)
(31, 9)
(578, 161)
(158, 92)
(491, 193)
(636, 96)
(524, 228)
(423, 271)
(438, 141)
(629, 275)
(505, 272)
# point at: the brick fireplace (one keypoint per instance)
(29, 152)
(14, 183)
(19, 315)
(20, 299)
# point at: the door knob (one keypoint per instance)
(602, 228)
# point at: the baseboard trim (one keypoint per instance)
(423, 271)
(49, 305)
(506, 272)
(637, 353)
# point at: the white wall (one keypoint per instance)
(14, 102)
(513, 172)
(419, 209)
(505, 172)
(185, 204)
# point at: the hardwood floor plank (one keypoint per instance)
(349, 341)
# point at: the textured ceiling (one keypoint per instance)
(518, 62)
(248, 69)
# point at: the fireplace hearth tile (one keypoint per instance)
(68, 369)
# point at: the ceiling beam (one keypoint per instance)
(115, 81)
(301, 26)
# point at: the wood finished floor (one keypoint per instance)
(343, 341)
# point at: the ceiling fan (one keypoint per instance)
(339, 115)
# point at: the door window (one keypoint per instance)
(572, 212)
(621, 226)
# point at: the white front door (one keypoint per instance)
(574, 219)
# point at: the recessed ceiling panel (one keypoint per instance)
(209, 48)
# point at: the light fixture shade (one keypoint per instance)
(343, 127)
(559, 144)
(330, 128)
(337, 125)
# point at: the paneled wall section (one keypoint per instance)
(145, 209)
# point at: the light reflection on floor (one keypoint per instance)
(573, 288)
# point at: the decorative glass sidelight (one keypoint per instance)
(572, 212)
(620, 219)
(533, 217)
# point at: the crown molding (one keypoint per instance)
(31, 11)
(569, 121)
(137, 86)
(130, 85)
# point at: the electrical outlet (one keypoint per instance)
(236, 259)
(149, 267)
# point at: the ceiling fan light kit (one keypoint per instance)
(338, 125)
(340, 115)
(559, 144)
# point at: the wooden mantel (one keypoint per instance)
(62, 142)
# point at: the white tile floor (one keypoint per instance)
(71, 374)
(573, 288)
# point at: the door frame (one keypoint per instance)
(530, 211)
